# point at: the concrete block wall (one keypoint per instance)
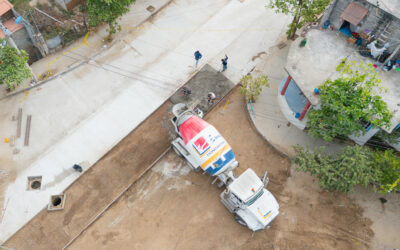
(23, 42)
(370, 21)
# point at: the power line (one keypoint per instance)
(369, 142)
(268, 116)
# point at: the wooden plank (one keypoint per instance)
(19, 122)
(28, 130)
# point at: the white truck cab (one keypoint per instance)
(203, 147)
(254, 206)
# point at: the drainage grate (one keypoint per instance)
(56, 202)
(34, 183)
(150, 8)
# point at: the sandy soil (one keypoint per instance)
(98, 186)
(173, 208)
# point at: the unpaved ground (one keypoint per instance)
(172, 208)
(97, 187)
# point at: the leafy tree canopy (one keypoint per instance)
(389, 165)
(13, 66)
(353, 166)
(303, 11)
(107, 11)
(347, 102)
(251, 87)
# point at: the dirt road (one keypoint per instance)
(174, 208)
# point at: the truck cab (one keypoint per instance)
(253, 205)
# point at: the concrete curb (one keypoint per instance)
(247, 107)
(72, 67)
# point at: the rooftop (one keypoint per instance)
(390, 6)
(5, 6)
(311, 65)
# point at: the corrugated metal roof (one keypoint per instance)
(354, 13)
(5, 6)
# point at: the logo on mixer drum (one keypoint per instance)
(201, 146)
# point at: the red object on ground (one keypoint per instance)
(192, 127)
(303, 113)
(375, 66)
(286, 85)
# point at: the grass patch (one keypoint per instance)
(20, 5)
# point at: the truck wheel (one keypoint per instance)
(240, 221)
(177, 151)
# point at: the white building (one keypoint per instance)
(309, 66)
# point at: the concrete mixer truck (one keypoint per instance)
(204, 148)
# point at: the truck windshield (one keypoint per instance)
(254, 198)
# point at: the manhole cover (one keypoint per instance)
(34, 182)
(56, 202)
(150, 8)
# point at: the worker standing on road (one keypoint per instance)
(197, 56)
(224, 63)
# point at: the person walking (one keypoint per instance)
(197, 56)
(224, 63)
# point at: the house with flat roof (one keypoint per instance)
(309, 66)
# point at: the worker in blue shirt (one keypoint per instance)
(197, 56)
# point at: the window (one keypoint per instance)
(255, 197)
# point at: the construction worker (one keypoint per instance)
(211, 98)
(224, 63)
(186, 91)
(197, 56)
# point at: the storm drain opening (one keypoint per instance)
(34, 182)
(150, 8)
(56, 202)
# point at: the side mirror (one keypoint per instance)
(265, 179)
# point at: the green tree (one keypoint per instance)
(347, 102)
(389, 165)
(351, 167)
(251, 87)
(107, 11)
(303, 11)
(13, 66)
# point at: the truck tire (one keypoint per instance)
(240, 221)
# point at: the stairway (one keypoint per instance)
(387, 31)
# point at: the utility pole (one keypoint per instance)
(10, 40)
